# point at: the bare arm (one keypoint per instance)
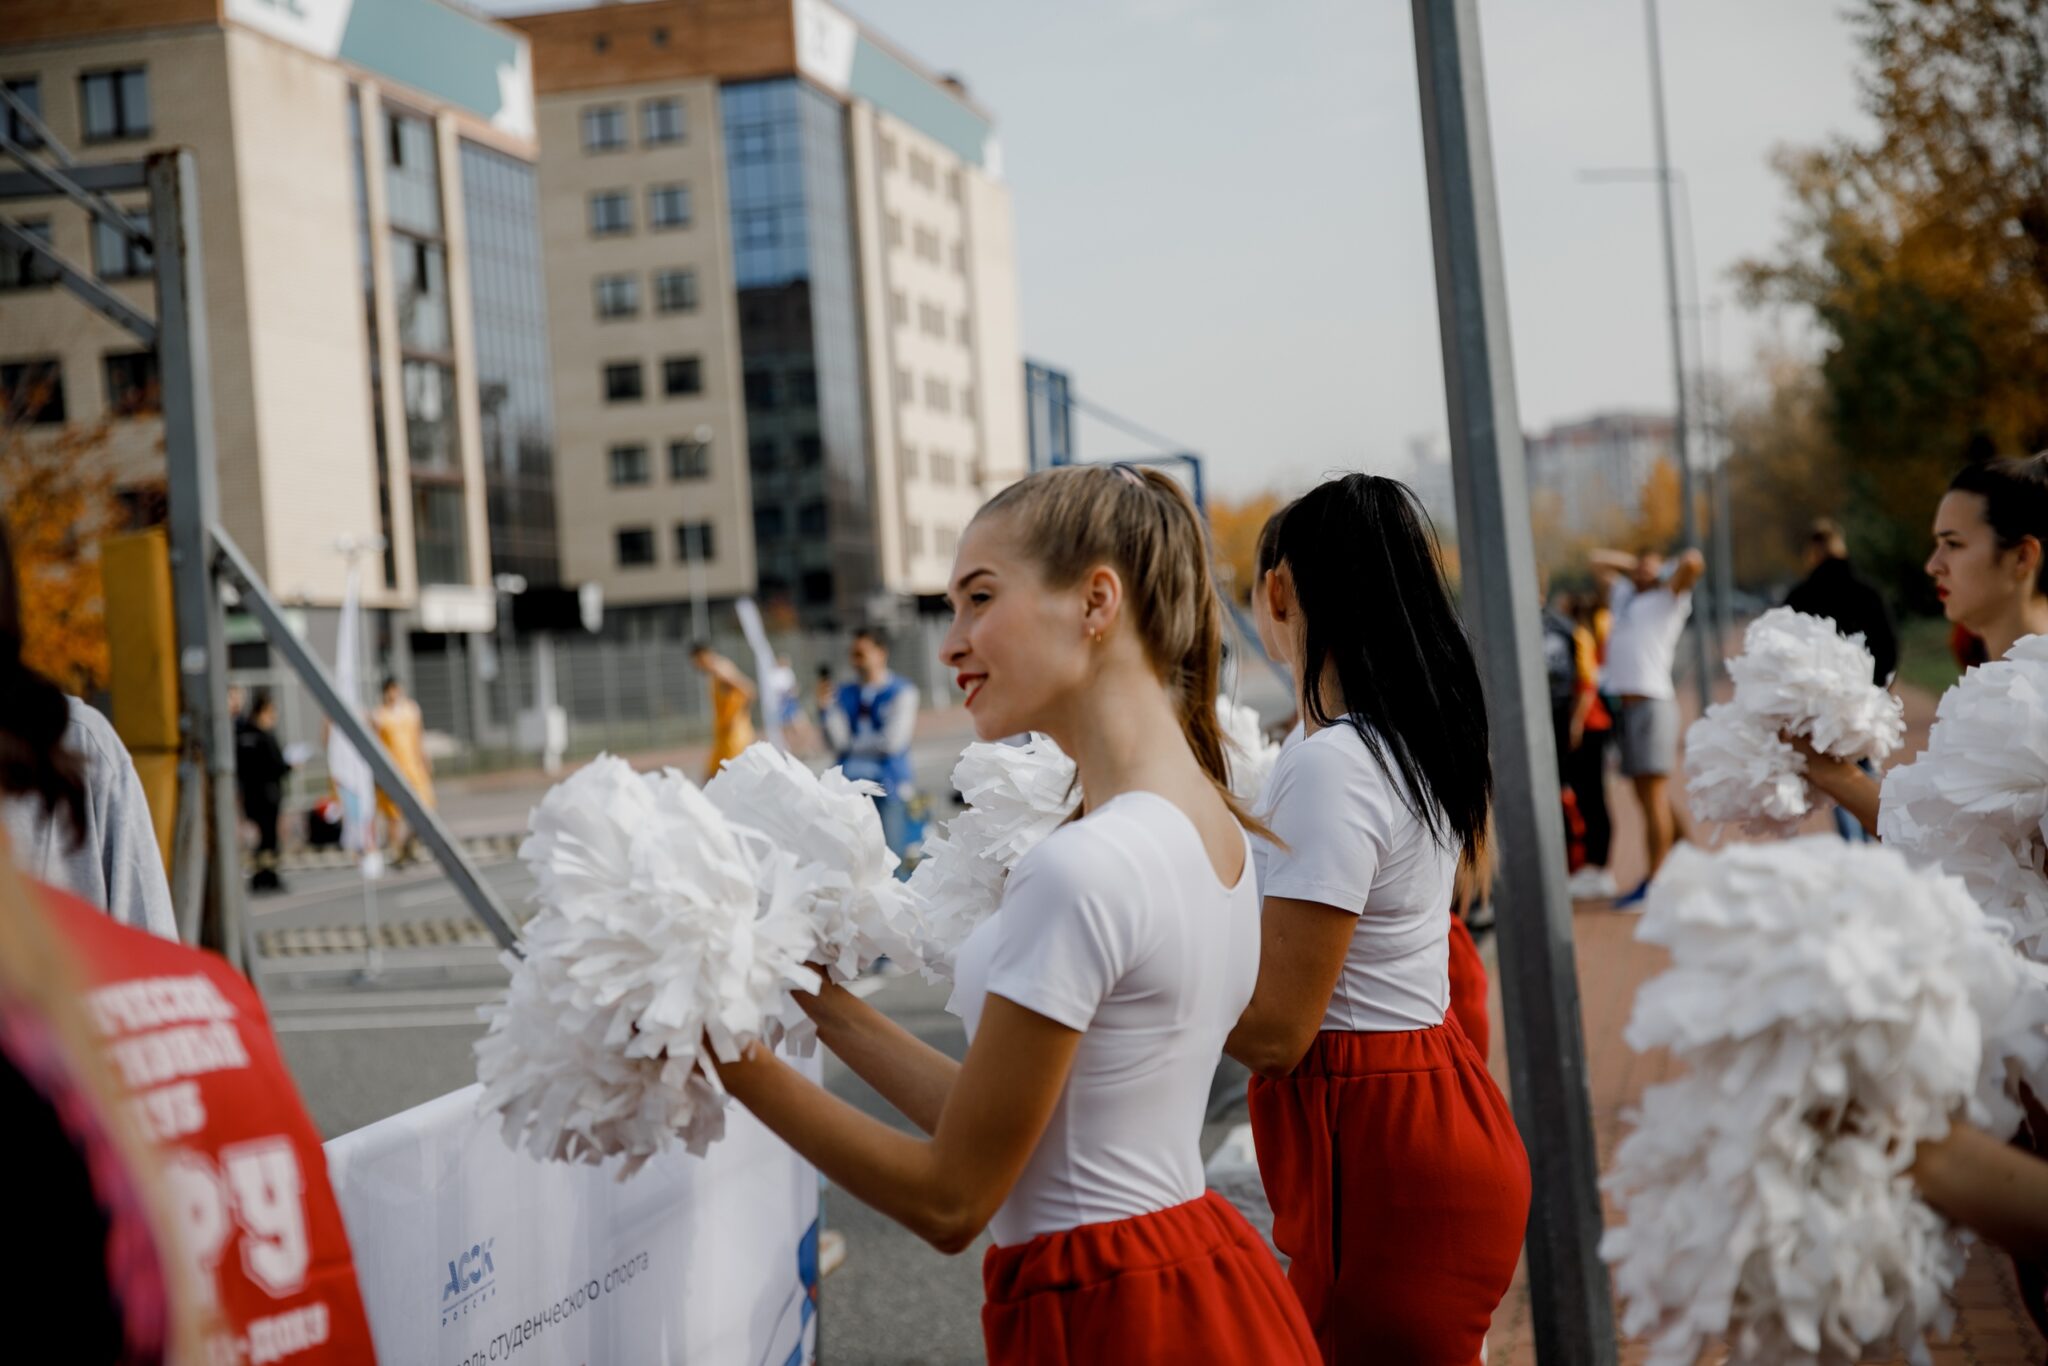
(838, 730)
(1691, 567)
(730, 674)
(1611, 561)
(947, 1187)
(1987, 1186)
(1301, 954)
(1855, 791)
(908, 1072)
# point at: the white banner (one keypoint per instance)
(349, 770)
(469, 1253)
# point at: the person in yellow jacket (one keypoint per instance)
(403, 735)
(732, 701)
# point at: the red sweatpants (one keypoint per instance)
(1468, 987)
(1400, 1189)
(1184, 1286)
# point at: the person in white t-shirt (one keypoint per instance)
(1399, 1183)
(1649, 602)
(1098, 996)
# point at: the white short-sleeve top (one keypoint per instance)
(1118, 926)
(1354, 842)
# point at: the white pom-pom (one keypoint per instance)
(1975, 801)
(660, 933)
(1796, 674)
(1833, 1007)
(1016, 795)
(829, 825)
(1251, 756)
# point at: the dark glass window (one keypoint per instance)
(116, 104)
(635, 547)
(682, 375)
(604, 128)
(618, 296)
(439, 544)
(611, 213)
(810, 519)
(628, 465)
(761, 455)
(624, 382)
(760, 389)
(696, 541)
(803, 387)
(668, 206)
(116, 255)
(690, 459)
(769, 523)
(430, 417)
(412, 174)
(661, 121)
(818, 587)
(810, 451)
(29, 91)
(21, 268)
(675, 291)
(133, 388)
(32, 390)
(419, 281)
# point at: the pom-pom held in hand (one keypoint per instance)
(1833, 1007)
(829, 825)
(662, 931)
(1016, 795)
(1796, 674)
(1251, 756)
(1975, 801)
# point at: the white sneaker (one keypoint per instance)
(1592, 884)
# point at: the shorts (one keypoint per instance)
(1648, 729)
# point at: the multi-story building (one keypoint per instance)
(1597, 468)
(849, 353)
(374, 297)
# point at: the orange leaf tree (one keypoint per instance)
(1236, 524)
(57, 494)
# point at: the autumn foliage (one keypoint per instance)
(1235, 526)
(57, 494)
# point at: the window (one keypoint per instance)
(116, 104)
(604, 128)
(675, 291)
(689, 459)
(116, 255)
(32, 391)
(942, 469)
(635, 547)
(661, 121)
(899, 308)
(769, 524)
(628, 465)
(959, 258)
(887, 145)
(761, 455)
(892, 230)
(21, 268)
(29, 91)
(913, 537)
(963, 330)
(906, 387)
(810, 519)
(810, 451)
(623, 382)
(817, 586)
(439, 540)
(682, 375)
(760, 389)
(611, 213)
(419, 280)
(938, 395)
(696, 541)
(955, 187)
(668, 206)
(803, 387)
(967, 400)
(429, 389)
(133, 388)
(921, 169)
(908, 459)
(931, 320)
(618, 296)
(925, 243)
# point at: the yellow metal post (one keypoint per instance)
(142, 650)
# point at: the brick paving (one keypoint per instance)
(1992, 1328)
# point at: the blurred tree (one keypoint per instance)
(1657, 524)
(57, 494)
(1923, 257)
(1784, 472)
(1235, 525)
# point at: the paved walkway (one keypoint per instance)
(1992, 1328)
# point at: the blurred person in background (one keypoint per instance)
(403, 734)
(108, 855)
(1587, 731)
(1651, 600)
(869, 727)
(260, 771)
(1834, 591)
(732, 700)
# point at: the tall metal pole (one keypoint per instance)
(184, 365)
(1687, 523)
(1573, 1311)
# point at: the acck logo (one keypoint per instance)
(469, 1273)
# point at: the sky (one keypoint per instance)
(1222, 226)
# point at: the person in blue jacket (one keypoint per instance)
(868, 724)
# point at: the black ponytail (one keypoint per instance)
(1369, 578)
(34, 717)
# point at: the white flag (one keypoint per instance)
(775, 688)
(350, 771)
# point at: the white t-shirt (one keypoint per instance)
(1118, 926)
(1642, 642)
(1353, 843)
